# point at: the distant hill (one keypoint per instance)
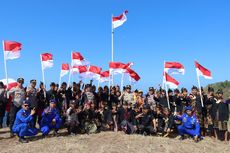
(225, 86)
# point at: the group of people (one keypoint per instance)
(83, 109)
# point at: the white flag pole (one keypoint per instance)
(112, 47)
(70, 72)
(43, 74)
(5, 64)
(163, 80)
(198, 80)
(166, 91)
(122, 80)
(60, 78)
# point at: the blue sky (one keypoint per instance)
(156, 30)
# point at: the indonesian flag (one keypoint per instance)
(11, 83)
(171, 82)
(47, 60)
(11, 49)
(202, 71)
(134, 77)
(64, 69)
(119, 20)
(94, 72)
(79, 69)
(118, 67)
(105, 77)
(78, 59)
(174, 68)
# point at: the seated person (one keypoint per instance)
(72, 121)
(23, 124)
(50, 119)
(190, 124)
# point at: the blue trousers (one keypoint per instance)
(45, 129)
(191, 132)
(24, 130)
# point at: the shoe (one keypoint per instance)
(55, 134)
(23, 140)
(182, 138)
(12, 134)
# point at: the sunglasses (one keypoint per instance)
(26, 105)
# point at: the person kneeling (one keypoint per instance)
(23, 124)
(50, 119)
(190, 124)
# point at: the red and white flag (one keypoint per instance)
(11, 83)
(94, 72)
(46, 60)
(79, 69)
(134, 77)
(64, 69)
(171, 82)
(174, 68)
(202, 71)
(78, 59)
(105, 77)
(118, 67)
(119, 20)
(12, 49)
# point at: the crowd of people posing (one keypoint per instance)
(84, 109)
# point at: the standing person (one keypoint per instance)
(18, 96)
(3, 102)
(52, 93)
(127, 96)
(72, 121)
(31, 94)
(221, 115)
(51, 119)
(150, 98)
(23, 125)
(42, 103)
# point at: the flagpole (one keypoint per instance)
(122, 80)
(163, 80)
(6, 75)
(70, 72)
(60, 79)
(112, 54)
(198, 79)
(43, 74)
(166, 91)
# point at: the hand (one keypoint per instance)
(33, 111)
(54, 121)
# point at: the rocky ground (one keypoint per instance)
(109, 142)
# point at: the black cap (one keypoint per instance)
(210, 89)
(128, 87)
(176, 91)
(20, 80)
(151, 89)
(194, 87)
(52, 84)
(170, 91)
(33, 81)
(220, 91)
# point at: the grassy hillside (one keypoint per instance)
(225, 86)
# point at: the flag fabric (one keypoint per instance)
(134, 77)
(171, 82)
(202, 71)
(118, 67)
(105, 76)
(79, 69)
(78, 59)
(174, 68)
(64, 69)
(94, 72)
(47, 60)
(11, 83)
(119, 20)
(12, 49)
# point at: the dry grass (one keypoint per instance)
(108, 142)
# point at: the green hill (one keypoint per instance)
(225, 86)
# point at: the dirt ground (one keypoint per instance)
(109, 142)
